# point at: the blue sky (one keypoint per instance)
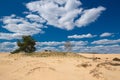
(91, 26)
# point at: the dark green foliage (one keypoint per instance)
(27, 45)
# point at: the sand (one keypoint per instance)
(18, 67)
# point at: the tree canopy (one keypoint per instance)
(27, 45)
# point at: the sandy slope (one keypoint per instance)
(19, 67)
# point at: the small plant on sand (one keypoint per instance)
(27, 45)
(85, 65)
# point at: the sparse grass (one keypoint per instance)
(53, 54)
(46, 54)
(96, 73)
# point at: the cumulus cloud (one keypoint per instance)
(35, 18)
(99, 49)
(55, 43)
(77, 46)
(79, 43)
(18, 26)
(57, 46)
(10, 36)
(65, 14)
(7, 46)
(89, 16)
(82, 36)
(50, 43)
(106, 41)
(106, 34)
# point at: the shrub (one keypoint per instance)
(27, 45)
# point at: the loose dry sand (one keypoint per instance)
(19, 67)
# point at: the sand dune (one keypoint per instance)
(19, 67)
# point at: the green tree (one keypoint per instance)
(27, 45)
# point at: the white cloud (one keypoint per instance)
(79, 43)
(58, 46)
(50, 43)
(106, 34)
(35, 18)
(106, 41)
(72, 4)
(96, 49)
(18, 26)
(77, 46)
(62, 13)
(10, 36)
(67, 19)
(89, 16)
(82, 36)
(55, 43)
(58, 13)
(7, 46)
(103, 49)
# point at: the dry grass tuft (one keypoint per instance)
(85, 65)
(116, 59)
(96, 73)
